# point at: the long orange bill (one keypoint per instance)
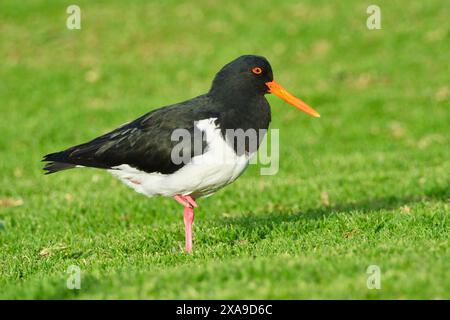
(279, 91)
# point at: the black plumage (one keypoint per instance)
(236, 99)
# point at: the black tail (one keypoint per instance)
(56, 162)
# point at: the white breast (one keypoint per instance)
(202, 176)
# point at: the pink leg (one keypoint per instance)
(188, 220)
(181, 200)
(189, 204)
(186, 201)
(191, 201)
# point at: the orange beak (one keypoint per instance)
(276, 89)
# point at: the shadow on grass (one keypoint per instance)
(364, 206)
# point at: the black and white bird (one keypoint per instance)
(141, 153)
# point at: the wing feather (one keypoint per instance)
(144, 143)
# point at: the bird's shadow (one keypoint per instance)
(276, 217)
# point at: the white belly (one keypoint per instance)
(202, 176)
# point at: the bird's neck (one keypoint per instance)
(243, 111)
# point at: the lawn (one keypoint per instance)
(366, 184)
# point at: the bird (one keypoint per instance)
(141, 153)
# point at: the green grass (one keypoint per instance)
(366, 184)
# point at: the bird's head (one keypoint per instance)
(251, 75)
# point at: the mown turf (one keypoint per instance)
(366, 184)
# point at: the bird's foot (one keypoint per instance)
(186, 201)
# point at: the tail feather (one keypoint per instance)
(53, 167)
(56, 162)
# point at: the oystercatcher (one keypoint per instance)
(141, 153)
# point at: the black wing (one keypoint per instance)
(144, 143)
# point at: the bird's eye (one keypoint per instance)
(257, 70)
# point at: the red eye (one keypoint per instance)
(257, 70)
